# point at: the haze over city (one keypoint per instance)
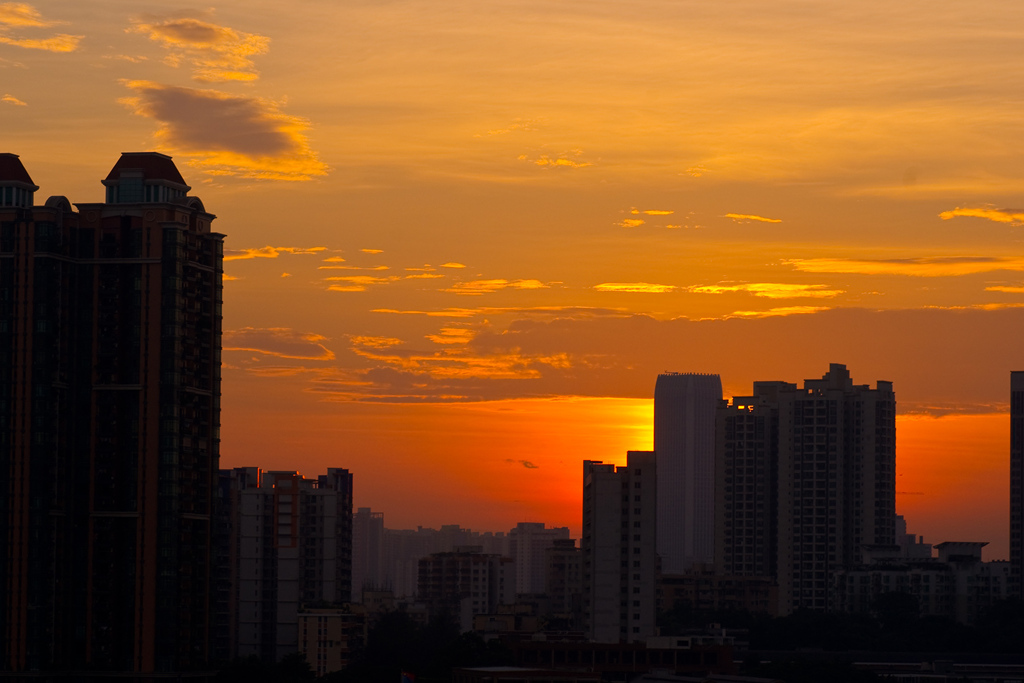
(463, 240)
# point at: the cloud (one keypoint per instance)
(11, 99)
(544, 311)
(1012, 216)
(635, 287)
(217, 53)
(227, 135)
(279, 342)
(651, 212)
(477, 287)
(334, 259)
(452, 264)
(742, 217)
(17, 15)
(517, 124)
(775, 312)
(564, 160)
(1005, 289)
(354, 268)
(452, 335)
(375, 342)
(525, 463)
(938, 266)
(771, 290)
(356, 283)
(372, 251)
(268, 252)
(424, 276)
(630, 222)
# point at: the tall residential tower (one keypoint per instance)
(110, 339)
(684, 443)
(1017, 484)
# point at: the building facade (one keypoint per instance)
(367, 553)
(110, 341)
(1017, 484)
(684, 441)
(831, 448)
(464, 583)
(527, 544)
(289, 543)
(619, 548)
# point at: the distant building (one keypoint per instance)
(329, 636)
(292, 548)
(956, 584)
(703, 589)
(684, 441)
(367, 552)
(1017, 484)
(527, 544)
(464, 583)
(110, 343)
(403, 549)
(806, 478)
(563, 584)
(618, 548)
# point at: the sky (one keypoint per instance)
(464, 238)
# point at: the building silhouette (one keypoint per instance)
(618, 548)
(806, 481)
(289, 543)
(527, 544)
(367, 552)
(1017, 484)
(110, 340)
(684, 441)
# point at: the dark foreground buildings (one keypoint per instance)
(110, 338)
(1017, 484)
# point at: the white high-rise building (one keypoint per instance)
(684, 444)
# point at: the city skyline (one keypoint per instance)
(463, 241)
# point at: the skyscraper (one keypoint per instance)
(1017, 484)
(806, 479)
(684, 443)
(618, 548)
(291, 544)
(110, 329)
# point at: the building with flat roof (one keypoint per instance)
(684, 443)
(110, 343)
(618, 548)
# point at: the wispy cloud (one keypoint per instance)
(356, 283)
(777, 312)
(939, 266)
(268, 252)
(541, 311)
(372, 251)
(525, 463)
(280, 342)
(477, 287)
(1006, 289)
(217, 53)
(630, 222)
(743, 217)
(375, 342)
(517, 124)
(771, 290)
(1012, 216)
(228, 135)
(18, 15)
(651, 212)
(637, 287)
(11, 99)
(452, 264)
(452, 335)
(565, 160)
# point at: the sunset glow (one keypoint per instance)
(464, 238)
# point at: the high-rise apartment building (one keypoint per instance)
(618, 547)
(684, 441)
(290, 544)
(465, 582)
(806, 479)
(526, 546)
(1017, 484)
(110, 340)
(367, 552)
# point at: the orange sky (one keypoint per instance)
(467, 236)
